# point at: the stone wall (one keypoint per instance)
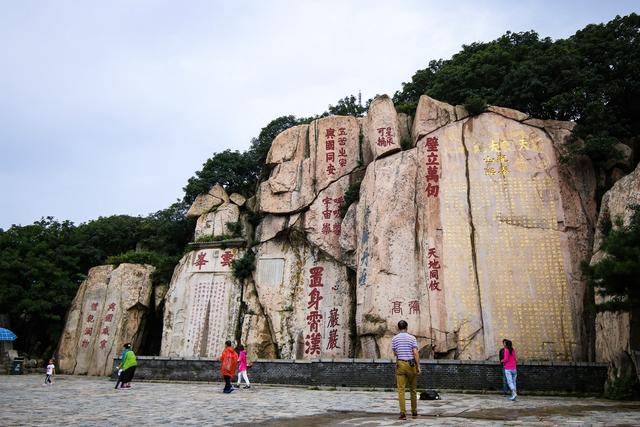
(546, 377)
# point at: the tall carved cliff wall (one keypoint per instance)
(471, 228)
(473, 235)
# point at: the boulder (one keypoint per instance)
(382, 127)
(108, 311)
(508, 113)
(290, 184)
(202, 205)
(288, 145)
(219, 193)
(202, 306)
(238, 199)
(430, 115)
(215, 223)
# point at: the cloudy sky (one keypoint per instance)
(109, 107)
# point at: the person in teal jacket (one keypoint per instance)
(127, 368)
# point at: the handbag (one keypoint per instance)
(430, 395)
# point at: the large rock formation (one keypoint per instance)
(617, 332)
(468, 227)
(202, 305)
(108, 311)
(474, 235)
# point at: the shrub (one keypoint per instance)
(235, 228)
(475, 105)
(405, 144)
(208, 239)
(351, 196)
(136, 257)
(243, 267)
(623, 388)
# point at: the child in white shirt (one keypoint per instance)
(51, 369)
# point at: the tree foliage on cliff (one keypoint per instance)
(590, 78)
(43, 264)
(616, 277)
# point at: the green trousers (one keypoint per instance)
(407, 375)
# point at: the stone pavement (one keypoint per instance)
(74, 400)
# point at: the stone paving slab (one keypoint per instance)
(92, 401)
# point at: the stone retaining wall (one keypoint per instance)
(438, 374)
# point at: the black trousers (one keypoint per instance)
(126, 376)
(227, 383)
(47, 379)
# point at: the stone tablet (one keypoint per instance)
(108, 311)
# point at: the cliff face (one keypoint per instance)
(473, 235)
(470, 228)
(617, 333)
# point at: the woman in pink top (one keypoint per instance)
(242, 367)
(509, 363)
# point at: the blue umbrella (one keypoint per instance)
(7, 335)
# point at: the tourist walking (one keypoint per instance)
(242, 367)
(405, 348)
(228, 365)
(127, 368)
(505, 386)
(51, 370)
(509, 362)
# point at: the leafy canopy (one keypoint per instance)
(616, 277)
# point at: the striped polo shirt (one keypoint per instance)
(403, 345)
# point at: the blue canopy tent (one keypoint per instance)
(7, 335)
(6, 348)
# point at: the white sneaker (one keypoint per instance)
(513, 397)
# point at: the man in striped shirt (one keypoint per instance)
(405, 348)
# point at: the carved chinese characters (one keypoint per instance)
(203, 304)
(306, 300)
(382, 127)
(323, 220)
(390, 283)
(335, 146)
(107, 312)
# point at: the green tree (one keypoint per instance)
(349, 106)
(236, 171)
(40, 269)
(590, 78)
(617, 276)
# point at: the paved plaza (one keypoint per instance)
(74, 400)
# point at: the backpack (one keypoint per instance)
(429, 395)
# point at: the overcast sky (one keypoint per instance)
(109, 107)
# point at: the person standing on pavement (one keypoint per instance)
(405, 348)
(51, 370)
(509, 361)
(127, 368)
(228, 365)
(505, 386)
(242, 367)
